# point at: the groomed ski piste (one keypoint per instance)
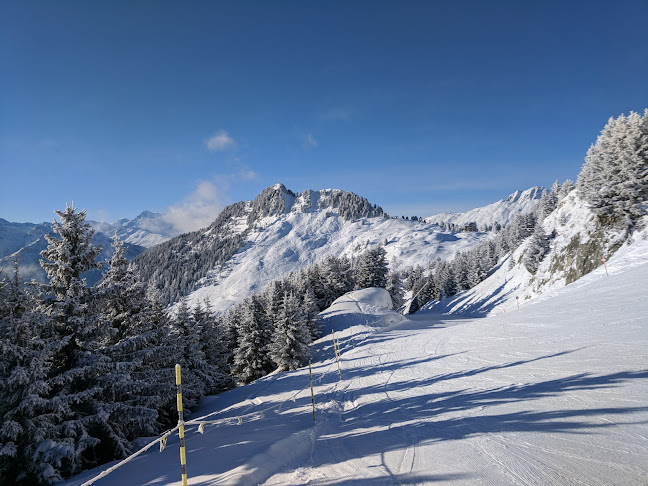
(555, 393)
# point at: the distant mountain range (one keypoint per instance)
(147, 229)
(25, 241)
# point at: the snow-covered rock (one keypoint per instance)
(370, 307)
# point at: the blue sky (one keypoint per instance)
(421, 107)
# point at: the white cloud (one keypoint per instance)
(220, 141)
(199, 209)
(309, 141)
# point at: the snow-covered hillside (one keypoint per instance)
(552, 394)
(305, 231)
(502, 212)
(577, 245)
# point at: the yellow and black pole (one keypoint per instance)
(183, 454)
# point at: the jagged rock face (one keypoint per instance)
(277, 200)
(273, 201)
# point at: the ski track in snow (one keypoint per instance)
(552, 394)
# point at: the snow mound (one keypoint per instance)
(370, 307)
(374, 296)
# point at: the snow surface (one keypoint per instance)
(555, 393)
(502, 212)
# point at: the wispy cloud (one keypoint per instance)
(197, 210)
(200, 208)
(220, 141)
(309, 141)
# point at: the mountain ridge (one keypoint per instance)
(498, 213)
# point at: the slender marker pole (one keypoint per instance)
(183, 454)
(518, 301)
(603, 258)
(337, 355)
(310, 374)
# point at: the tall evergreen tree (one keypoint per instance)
(69, 426)
(536, 250)
(125, 339)
(395, 288)
(372, 268)
(24, 365)
(289, 347)
(251, 357)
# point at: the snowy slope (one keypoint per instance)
(552, 394)
(146, 229)
(279, 244)
(578, 246)
(502, 212)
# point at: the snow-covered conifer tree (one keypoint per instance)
(251, 357)
(289, 347)
(24, 366)
(308, 304)
(120, 303)
(614, 178)
(218, 342)
(395, 288)
(74, 431)
(372, 268)
(537, 248)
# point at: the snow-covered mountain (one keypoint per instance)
(254, 242)
(147, 229)
(551, 394)
(500, 212)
